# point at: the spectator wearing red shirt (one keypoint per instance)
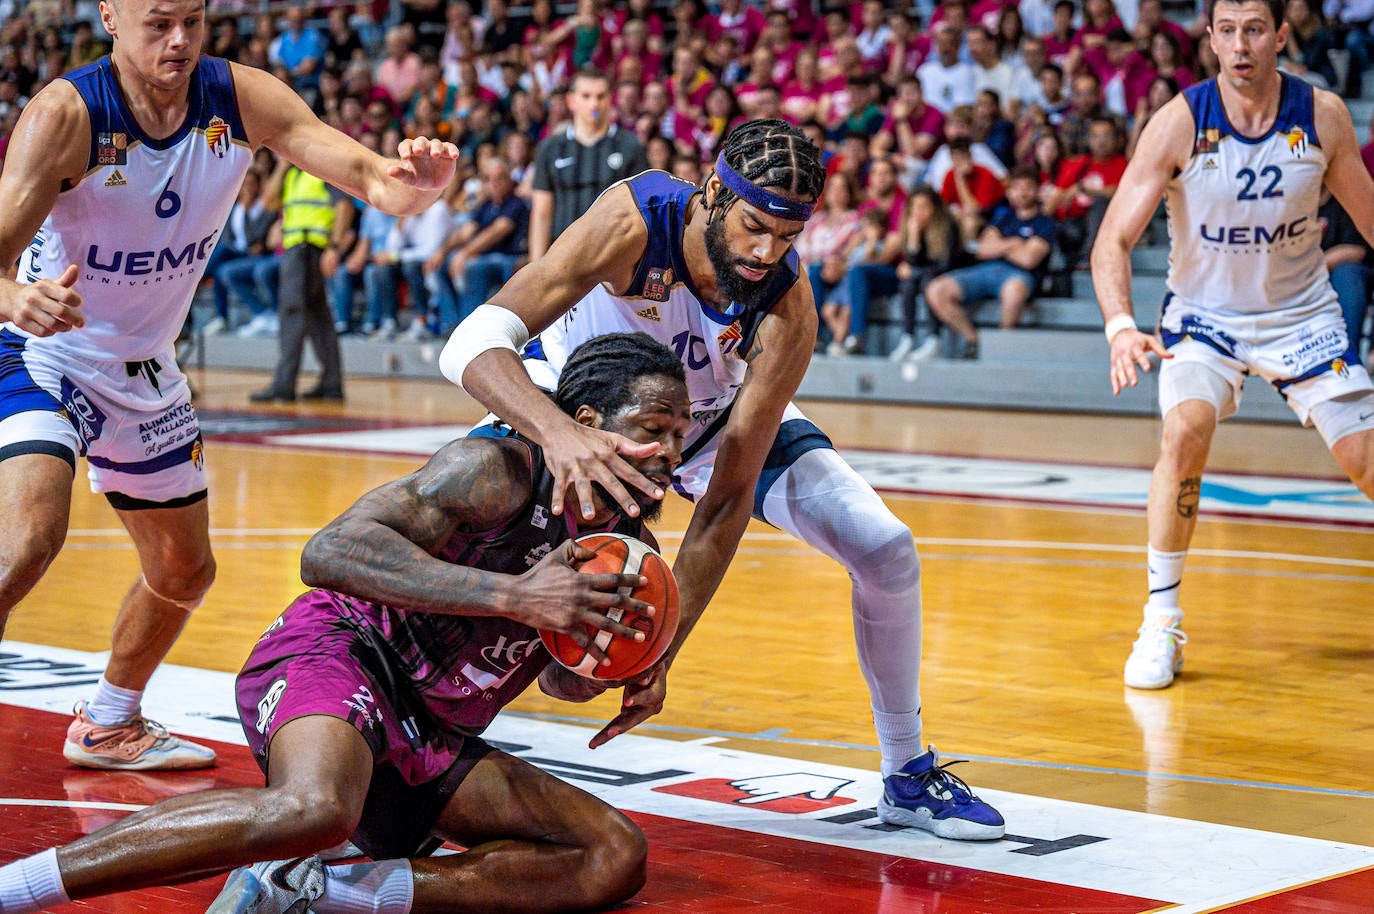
(1086, 184)
(971, 191)
(906, 49)
(1151, 22)
(1059, 41)
(777, 37)
(689, 84)
(744, 22)
(882, 192)
(1166, 59)
(874, 36)
(1125, 75)
(634, 44)
(801, 95)
(913, 130)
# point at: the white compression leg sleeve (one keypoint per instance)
(822, 501)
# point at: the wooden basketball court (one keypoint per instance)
(1031, 601)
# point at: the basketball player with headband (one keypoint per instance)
(711, 272)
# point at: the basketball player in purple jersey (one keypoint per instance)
(364, 703)
(117, 182)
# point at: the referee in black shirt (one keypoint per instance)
(574, 165)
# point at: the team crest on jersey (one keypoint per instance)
(198, 453)
(657, 283)
(116, 179)
(649, 314)
(1208, 139)
(1340, 368)
(1297, 142)
(217, 136)
(112, 149)
(730, 336)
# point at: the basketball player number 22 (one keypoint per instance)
(1272, 172)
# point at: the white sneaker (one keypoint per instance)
(417, 332)
(929, 348)
(1157, 655)
(904, 345)
(852, 344)
(272, 887)
(386, 332)
(260, 327)
(215, 326)
(835, 350)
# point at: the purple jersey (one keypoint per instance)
(415, 684)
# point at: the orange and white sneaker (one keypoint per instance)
(139, 745)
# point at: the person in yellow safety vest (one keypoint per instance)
(317, 224)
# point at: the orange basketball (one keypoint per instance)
(618, 554)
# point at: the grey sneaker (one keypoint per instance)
(272, 887)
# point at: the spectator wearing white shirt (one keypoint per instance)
(959, 125)
(947, 81)
(990, 71)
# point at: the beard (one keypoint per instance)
(729, 283)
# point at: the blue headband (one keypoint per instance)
(760, 197)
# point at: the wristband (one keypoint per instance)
(1117, 324)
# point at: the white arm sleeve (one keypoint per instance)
(487, 327)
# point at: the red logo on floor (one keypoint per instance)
(795, 794)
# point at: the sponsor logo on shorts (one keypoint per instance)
(360, 700)
(84, 415)
(538, 552)
(267, 705)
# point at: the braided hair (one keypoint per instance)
(601, 371)
(771, 153)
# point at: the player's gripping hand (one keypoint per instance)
(424, 163)
(1131, 348)
(555, 596)
(579, 456)
(45, 307)
(642, 699)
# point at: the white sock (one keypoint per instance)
(112, 705)
(386, 887)
(899, 738)
(32, 884)
(1164, 573)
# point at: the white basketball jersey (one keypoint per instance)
(1243, 211)
(145, 217)
(664, 305)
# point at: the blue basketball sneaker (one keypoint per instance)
(923, 794)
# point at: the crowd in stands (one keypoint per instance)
(931, 116)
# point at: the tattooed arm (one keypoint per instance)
(383, 548)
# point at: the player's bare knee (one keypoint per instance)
(620, 858)
(23, 561)
(310, 819)
(183, 584)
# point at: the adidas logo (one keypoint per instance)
(649, 314)
(116, 179)
(1210, 163)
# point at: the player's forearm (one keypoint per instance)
(1111, 272)
(718, 523)
(371, 561)
(498, 381)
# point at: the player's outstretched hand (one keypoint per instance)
(579, 456)
(642, 699)
(46, 307)
(555, 596)
(1130, 348)
(425, 163)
